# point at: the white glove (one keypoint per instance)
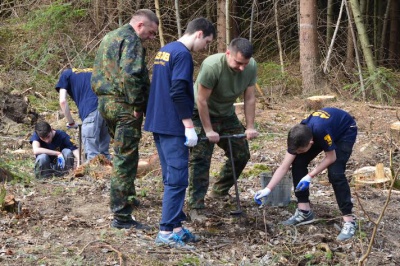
(304, 183)
(261, 194)
(191, 137)
(61, 161)
(72, 125)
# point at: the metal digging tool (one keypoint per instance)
(80, 144)
(238, 210)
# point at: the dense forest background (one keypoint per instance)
(302, 46)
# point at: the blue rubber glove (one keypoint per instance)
(191, 137)
(304, 183)
(61, 161)
(261, 194)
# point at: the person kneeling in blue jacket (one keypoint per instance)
(330, 130)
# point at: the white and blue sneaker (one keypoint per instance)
(348, 231)
(172, 240)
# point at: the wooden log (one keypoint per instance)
(319, 101)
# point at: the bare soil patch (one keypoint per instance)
(65, 221)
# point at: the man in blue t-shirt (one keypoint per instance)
(333, 131)
(53, 149)
(168, 116)
(76, 83)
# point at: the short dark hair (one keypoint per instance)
(202, 24)
(42, 128)
(299, 136)
(243, 46)
(150, 15)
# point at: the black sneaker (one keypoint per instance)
(119, 224)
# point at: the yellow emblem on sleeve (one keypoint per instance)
(328, 139)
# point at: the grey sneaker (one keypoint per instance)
(348, 231)
(300, 218)
(172, 240)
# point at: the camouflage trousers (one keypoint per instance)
(125, 129)
(200, 159)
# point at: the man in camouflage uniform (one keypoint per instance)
(120, 80)
(222, 79)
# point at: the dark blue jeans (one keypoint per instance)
(174, 159)
(336, 174)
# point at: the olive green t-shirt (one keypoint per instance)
(226, 84)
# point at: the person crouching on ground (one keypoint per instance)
(330, 130)
(54, 151)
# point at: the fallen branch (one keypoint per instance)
(383, 107)
(105, 245)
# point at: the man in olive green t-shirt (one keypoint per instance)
(223, 77)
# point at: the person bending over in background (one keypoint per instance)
(330, 130)
(76, 83)
(53, 149)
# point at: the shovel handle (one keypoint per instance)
(237, 136)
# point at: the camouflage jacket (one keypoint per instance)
(120, 68)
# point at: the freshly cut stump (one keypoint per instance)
(319, 101)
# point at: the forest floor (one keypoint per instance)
(66, 221)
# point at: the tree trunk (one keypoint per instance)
(252, 20)
(326, 65)
(329, 22)
(227, 22)
(160, 30)
(221, 27)
(178, 18)
(353, 38)
(384, 28)
(309, 58)
(349, 64)
(278, 35)
(365, 45)
(110, 8)
(394, 34)
(98, 14)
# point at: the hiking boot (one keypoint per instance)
(120, 224)
(348, 231)
(188, 236)
(172, 240)
(197, 215)
(300, 218)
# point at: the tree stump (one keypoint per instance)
(377, 176)
(317, 102)
(395, 132)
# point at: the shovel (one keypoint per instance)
(238, 210)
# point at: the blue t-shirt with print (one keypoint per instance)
(166, 107)
(60, 141)
(77, 83)
(329, 126)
